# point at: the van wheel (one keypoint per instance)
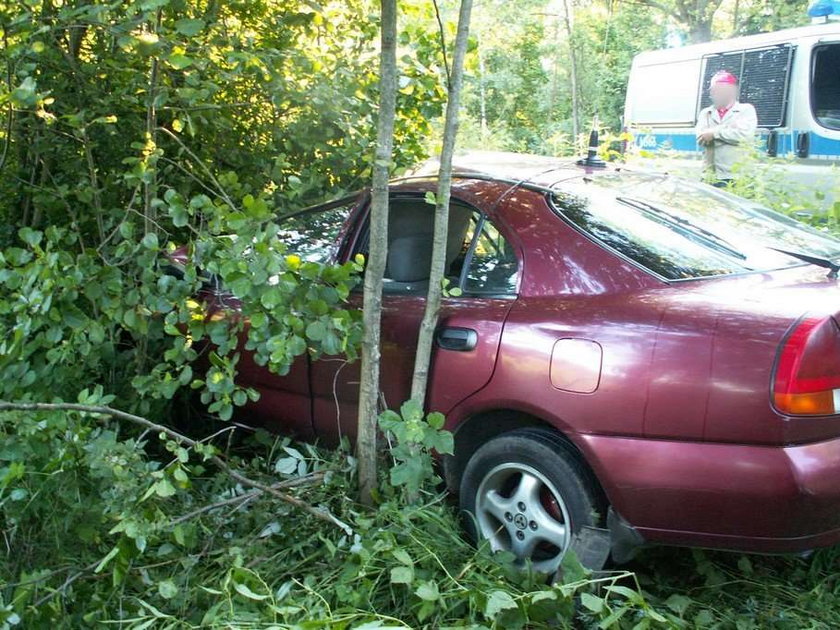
(526, 492)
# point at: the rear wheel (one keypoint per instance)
(528, 493)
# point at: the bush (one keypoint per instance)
(769, 182)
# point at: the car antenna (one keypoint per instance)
(592, 160)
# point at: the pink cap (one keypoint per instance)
(722, 76)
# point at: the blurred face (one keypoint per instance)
(723, 94)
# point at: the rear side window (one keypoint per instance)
(313, 234)
(746, 226)
(825, 86)
(493, 266)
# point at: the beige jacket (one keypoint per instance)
(733, 134)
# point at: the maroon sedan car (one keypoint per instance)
(631, 350)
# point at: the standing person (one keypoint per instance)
(724, 128)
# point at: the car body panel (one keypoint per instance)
(454, 375)
(755, 498)
(285, 404)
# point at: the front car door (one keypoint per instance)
(480, 261)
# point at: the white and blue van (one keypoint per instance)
(792, 77)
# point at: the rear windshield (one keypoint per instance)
(680, 229)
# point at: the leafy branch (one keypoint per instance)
(318, 512)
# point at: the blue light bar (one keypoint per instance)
(824, 8)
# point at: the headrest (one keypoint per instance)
(409, 258)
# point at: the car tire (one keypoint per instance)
(528, 492)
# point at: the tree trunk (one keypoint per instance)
(450, 131)
(568, 18)
(554, 85)
(700, 31)
(150, 186)
(377, 254)
(695, 16)
(482, 92)
(736, 16)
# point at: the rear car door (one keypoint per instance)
(285, 403)
(480, 261)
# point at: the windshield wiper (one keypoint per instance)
(825, 263)
(685, 226)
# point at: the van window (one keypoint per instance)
(825, 86)
(645, 103)
(763, 73)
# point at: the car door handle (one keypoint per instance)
(803, 144)
(458, 339)
(773, 143)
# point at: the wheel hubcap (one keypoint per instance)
(519, 510)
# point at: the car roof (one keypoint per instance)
(538, 170)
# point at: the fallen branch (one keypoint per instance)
(319, 513)
(244, 498)
(66, 585)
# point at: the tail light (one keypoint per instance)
(807, 377)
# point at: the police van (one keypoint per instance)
(791, 77)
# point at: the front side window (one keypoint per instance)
(825, 86)
(478, 259)
(313, 234)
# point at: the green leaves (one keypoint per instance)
(25, 95)
(189, 27)
(179, 60)
(95, 398)
(150, 241)
(245, 591)
(414, 439)
(428, 591)
(316, 331)
(402, 575)
(164, 488)
(678, 603)
(447, 291)
(167, 589)
(30, 237)
(151, 5)
(591, 602)
(498, 601)
(293, 464)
